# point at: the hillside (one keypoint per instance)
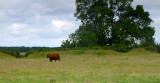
(3, 55)
(141, 51)
(134, 52)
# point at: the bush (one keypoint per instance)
(28, 53)
(78, 52)
(152, 48)
(96, 47)
(60, 49)
(122, 49)
(18, 54)
(13, 53)
(118, 48)
(158, 47)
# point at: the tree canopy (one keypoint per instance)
(110, 22)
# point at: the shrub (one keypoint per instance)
(152, 48)
(13, 53)
(60, 49)
(18, 54)
(122, 49)
(158, 47)
(96, 47)
(118, 48)
(78, 52)
(28, 53)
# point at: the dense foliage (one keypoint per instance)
(158, 47)
(110, 23)
(12, 53)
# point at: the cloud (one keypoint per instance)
(157, 29)
(59, 26)
(154, 4)
(17, 30)
(157, 20)
(20, 8)
(3, 17)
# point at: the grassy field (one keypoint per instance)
(80, 66)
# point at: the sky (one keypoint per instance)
(48, 22)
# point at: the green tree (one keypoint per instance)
(85, 38)
(65, 44)
(110, 22)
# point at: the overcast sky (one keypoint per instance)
(48, 22)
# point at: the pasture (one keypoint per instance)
(79, 66)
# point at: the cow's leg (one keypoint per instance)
(59, 59)
(55, 60)
(50, 60)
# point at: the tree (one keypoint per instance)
(110, 22)
(85, 39)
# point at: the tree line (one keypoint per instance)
(16, 51)
(25, 49)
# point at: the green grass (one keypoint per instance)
(88, 66)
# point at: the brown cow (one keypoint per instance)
(53, 57)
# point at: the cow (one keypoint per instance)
(53, 57)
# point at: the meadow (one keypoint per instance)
(82, 66)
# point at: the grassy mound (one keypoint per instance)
(3, 55)
(140, 51)
(137, 51)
